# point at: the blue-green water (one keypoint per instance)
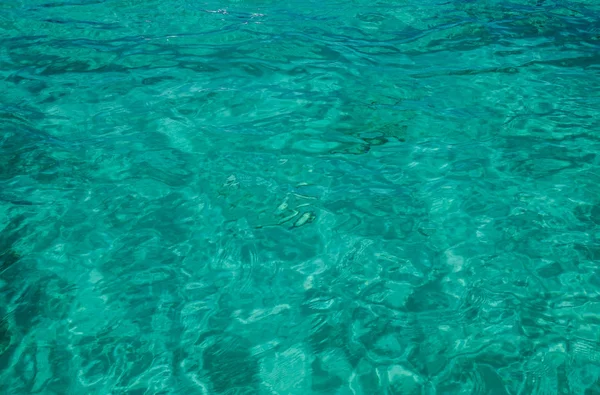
(300, 197)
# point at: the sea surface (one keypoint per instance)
(300, 197)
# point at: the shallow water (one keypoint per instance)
(328, 197)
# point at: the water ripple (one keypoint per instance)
(300, 197)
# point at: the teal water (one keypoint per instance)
(300, 197)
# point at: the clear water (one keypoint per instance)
(300, 197)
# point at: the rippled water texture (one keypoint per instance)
(300, 197)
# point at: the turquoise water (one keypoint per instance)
(300, 197)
